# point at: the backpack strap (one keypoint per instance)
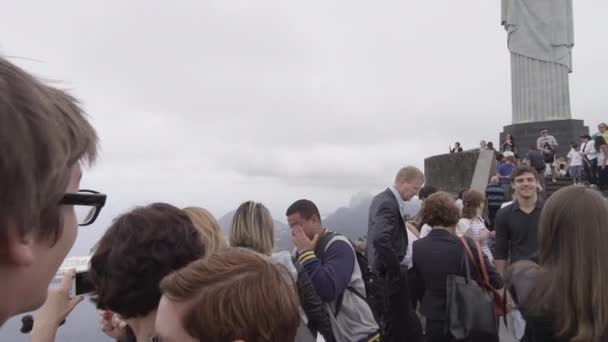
(323, 242)
(320, 253)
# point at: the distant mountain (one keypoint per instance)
(350, 221)
(353, 221)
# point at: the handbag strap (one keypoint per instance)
(482, 263)
(464, 260)
(470, 258)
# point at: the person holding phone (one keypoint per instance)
(456, 148)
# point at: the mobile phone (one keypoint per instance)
(82, 284)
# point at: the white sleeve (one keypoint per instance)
(426, 229)
(463, 226)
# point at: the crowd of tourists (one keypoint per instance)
(585, 164)
(161, 273)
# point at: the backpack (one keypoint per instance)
(538, 163)
(549, 156)
(374, 287)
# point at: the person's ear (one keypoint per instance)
(16, 249)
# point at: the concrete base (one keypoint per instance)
(451, 172)
(526, 134)
(458, 171)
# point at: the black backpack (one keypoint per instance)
(374, 287)
(550, 155)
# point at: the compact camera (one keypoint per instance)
(81, 284)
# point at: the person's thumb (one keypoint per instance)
(315, 239)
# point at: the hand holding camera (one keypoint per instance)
(55, 309)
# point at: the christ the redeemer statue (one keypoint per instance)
(540, 40)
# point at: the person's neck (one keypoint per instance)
(452, 230)
(527, 204)
(143, 327)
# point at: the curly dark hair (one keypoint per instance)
(439, 209)
(139, 249)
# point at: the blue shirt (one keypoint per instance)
(505, 169)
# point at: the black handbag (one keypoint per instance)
(470, 308)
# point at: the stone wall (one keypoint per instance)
(451, 172)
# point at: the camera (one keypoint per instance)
(81, 284)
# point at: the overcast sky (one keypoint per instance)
(211, 103)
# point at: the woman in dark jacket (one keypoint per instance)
(438, 255)
(567, 300)
(252, 227)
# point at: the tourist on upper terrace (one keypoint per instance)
(482, 145)
(590, 156)
(490, 146)
(456, 148)
(509, 144)
(536, 160)
(602, 162)
(602, 129)
(575, 160)
(517, 224)
(548, 146)
(495, 196)
(504, 171)
(387, 246)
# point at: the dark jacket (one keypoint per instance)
(386, 235)
(318, 317)
(437, 255)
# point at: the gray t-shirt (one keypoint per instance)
(542, 141)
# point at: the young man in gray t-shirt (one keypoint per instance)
(548, 145)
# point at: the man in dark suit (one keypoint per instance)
(387, 245)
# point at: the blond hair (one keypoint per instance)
(409, 174)
(252, 227)
(43, 133)
(208, 228)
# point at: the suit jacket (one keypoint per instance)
(437, 255)
(386, 235)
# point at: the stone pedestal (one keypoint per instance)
(451, 172)
(564, 131)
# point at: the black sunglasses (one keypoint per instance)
(87, 203)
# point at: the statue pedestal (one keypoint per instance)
(526, 134)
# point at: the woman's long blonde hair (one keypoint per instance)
(208, 228)
(252, 227)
